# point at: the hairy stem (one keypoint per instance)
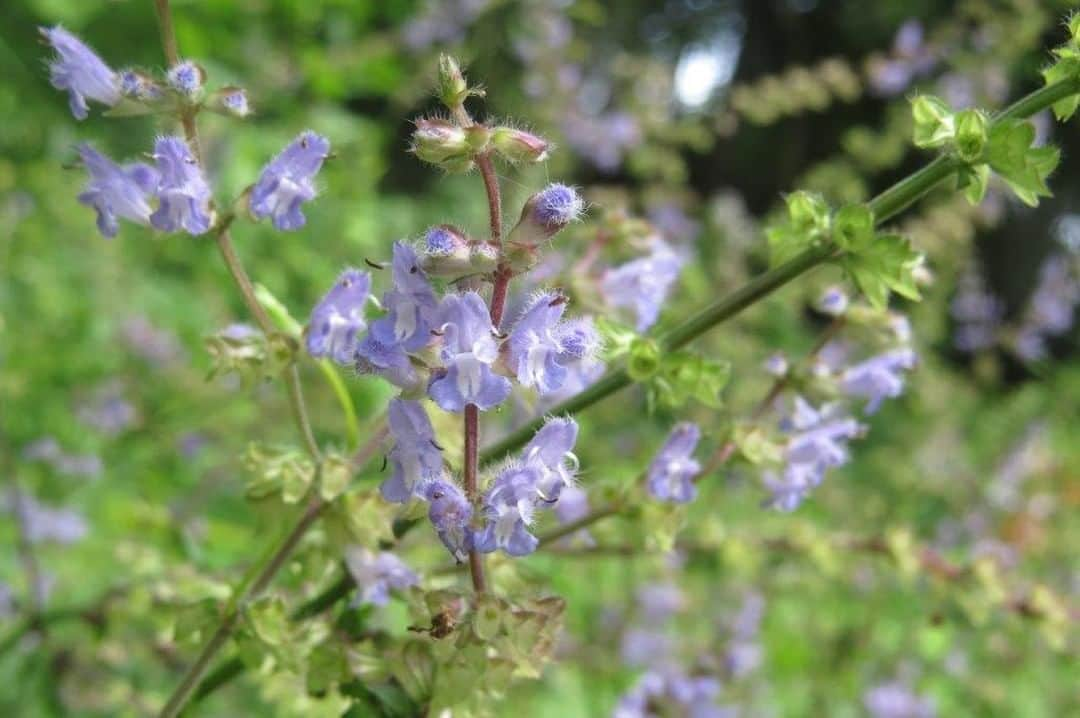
(472, 427)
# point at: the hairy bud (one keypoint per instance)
(230, 101)
(445, 251)
(442, 143)
(452, 86)
(519, 146)
(186, 77)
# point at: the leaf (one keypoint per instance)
(1023, 167)
(887, 264)
(974, 179)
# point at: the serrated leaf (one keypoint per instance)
(1023, 167)
(886, 265)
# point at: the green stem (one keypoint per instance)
(249, 589)
(885, 206)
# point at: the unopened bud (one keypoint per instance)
(519, 146)
(138, 86)
(446, 251)
(478, 138)
(442, 143)
(230, 101)
(547, 212)
(971, 134)
(452, 86)
(186, 78)
(483, 257)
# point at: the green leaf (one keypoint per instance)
(1064, 69)
(685, 375)
(887, 264)
(974, 179)
(326, 666)
(268, 620)
(934, 122)
(1023, 167)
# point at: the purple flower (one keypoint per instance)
(556, 206)
(642, 284)
(1051, 309)
(42, 523)
(833, 301)
(541, 344)
(117, 192)
(412, 311)
(288, 181)
(508, 507)
(185, 77)
(138, 86)
(777, 364)
(672, 471)
(337, 320)
(415, 457)
(897, 700)
(550, 451)
(818, 443)
(468, 351)
(879, 377)
(672, 693)
(182, 190)
(388, 361)
(80, 72)
(660, 601)
(450, 513)
(376, 574)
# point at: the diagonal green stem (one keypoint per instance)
(885, 206)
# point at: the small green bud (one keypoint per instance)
(644, 359)
(521, 257)
(808, 212)
(518, 145)
(452, 86)
(934, 122)
(971, 134)
(853, 227)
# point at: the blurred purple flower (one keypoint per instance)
(672, 471)
(643, 284)
(376, 574)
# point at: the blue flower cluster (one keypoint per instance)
(448, 349)
(172, 195)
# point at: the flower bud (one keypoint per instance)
(186, 78)
(547, 212)
(442, 143)
(137, 86)
(483, 257)
(971, 134)
(452, 86)
(519, 146)
(445, 252)
(230, 101)
(478, 138)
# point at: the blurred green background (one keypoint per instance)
(697, 114)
